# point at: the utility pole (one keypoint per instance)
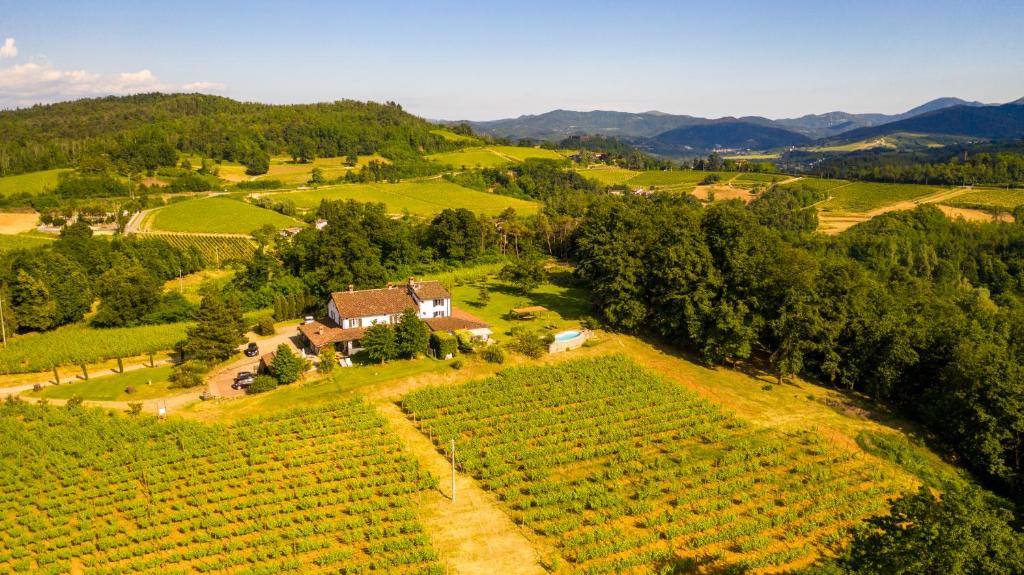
(3, 324)
(453, 470)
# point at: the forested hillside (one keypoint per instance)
(145, 131)
(911, 309)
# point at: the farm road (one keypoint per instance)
(47, 378)
(152, 406)
(219, 382)
(473, 534)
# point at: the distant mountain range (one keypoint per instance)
(988, 122)
(733, 135)
(672, 134)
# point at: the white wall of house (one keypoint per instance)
(428, 308)
(332, 312)
(366, 321)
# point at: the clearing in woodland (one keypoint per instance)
(620, 469)
(31, 183)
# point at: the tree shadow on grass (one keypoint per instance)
(568, 305)
(844, 402)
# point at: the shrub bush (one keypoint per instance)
(262, 384)
(465, 341)
(327, 360)
(493, 354)
(457, 364)
(286, 365)
(265, 326)
(130, 389)
(443, 344)
(527, 343)
(188, 374)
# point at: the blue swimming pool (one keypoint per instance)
(567, 335)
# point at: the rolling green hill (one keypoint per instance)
(147, 128)
(217, 216)
(420, 198)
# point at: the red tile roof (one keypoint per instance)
(458, 320)
(324, 331)
(430, 290)
(386, 301)
(452, 324)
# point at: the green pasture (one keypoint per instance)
(218, 216)
(32, 182)
(22, 241)
(419, 198)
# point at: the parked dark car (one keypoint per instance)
(252, 350)
(243, 380)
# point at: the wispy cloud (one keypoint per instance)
(205, 87)
(8, 49)
(35, 82)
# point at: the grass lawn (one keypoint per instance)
(112, 387)
(190, 285)
(567, 303)
(218, 216)
(23, 241)
(419, 198)
(607, 175)
(32, 182)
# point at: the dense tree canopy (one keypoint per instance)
(910, 308)
(148, 130)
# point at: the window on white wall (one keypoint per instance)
(438, 302)
(357, 322)
(438, 314)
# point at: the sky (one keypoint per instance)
(487, 60)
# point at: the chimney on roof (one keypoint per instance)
(412, 281)
(390, 285)
(351, 288)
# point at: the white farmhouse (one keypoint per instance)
(350, 312)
